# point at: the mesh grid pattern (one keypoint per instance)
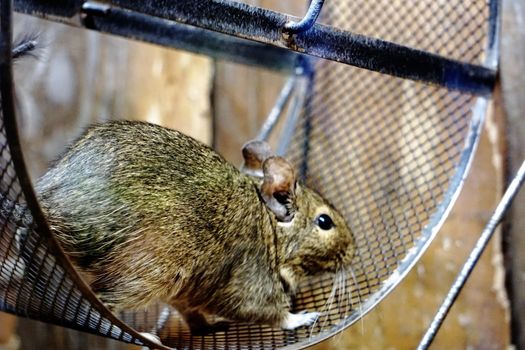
(389, 183)
(455, 29)
(383, 150)
(33, 280)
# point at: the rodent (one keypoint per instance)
(149, 214)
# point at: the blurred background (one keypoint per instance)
(80, 77)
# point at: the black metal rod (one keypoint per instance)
(262, 25)
(473, 258)
(52, 9)
(308, 20)
(118, 21)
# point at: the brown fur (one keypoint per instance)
(149, 214)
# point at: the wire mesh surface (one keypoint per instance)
(387, 165)
(387, 152)
(33, 280)
(384, 150)
(455, 29)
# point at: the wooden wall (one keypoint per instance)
(513, 86)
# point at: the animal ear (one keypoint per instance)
(278, 187)
(255, 153)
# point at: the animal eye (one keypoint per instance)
(324, 222)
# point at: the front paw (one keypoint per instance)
(293, 321)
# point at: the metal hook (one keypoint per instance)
(308, 20)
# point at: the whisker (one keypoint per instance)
(331, 299)
(338, 339)
(340, 287)
(325, 307)
(343, 294)
(359, 300)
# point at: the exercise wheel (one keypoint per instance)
(389, 103)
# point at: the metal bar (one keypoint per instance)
(308, 21)
(117, 21)
(473, 258)
(264, 26)
(277, 109)
(293, 115)
(493, 31)
(257, 24)
(307, 117)
(52, 9)
(24, 47)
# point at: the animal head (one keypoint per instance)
(312, 237)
